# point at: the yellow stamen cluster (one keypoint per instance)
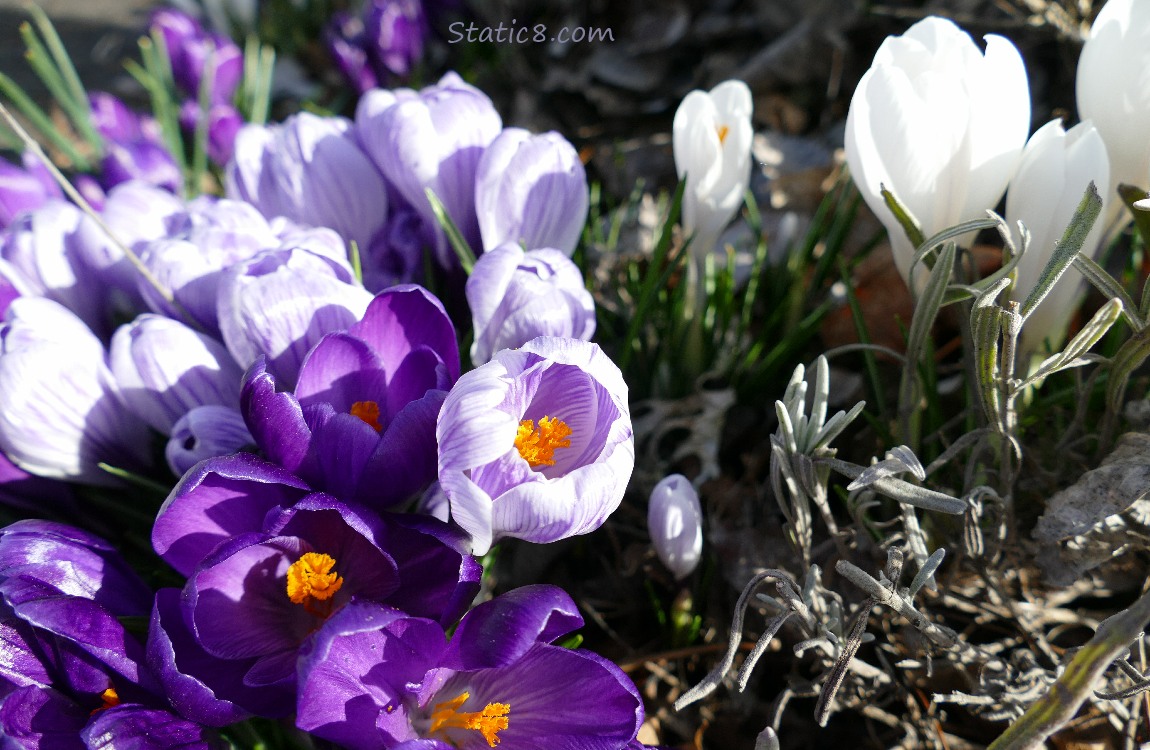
(537, 446)
(110, 699)
(488, 722)
(723, 130)
(368, 411)
(311, 579)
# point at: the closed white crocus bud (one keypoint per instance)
(940, 124)
(1113, 89)
(1056, 167)
(675, 522)
(712, 142)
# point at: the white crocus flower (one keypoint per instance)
(1056, 167)
(939, 123)
(712, 142)
(1113, 91)
(675, 522)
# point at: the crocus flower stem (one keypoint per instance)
(31, 144)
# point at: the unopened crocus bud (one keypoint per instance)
(394, 31)
(165, 369)
(531, 189)
(940, 124)
(25, 188)
(712, 136)
(192, 51)
(1056, 167)
(345, 39)
(205, 432)
(675, 522)
(61, 415)
(224, 123)
(516, 296)
(143, 160)
(1113, 88)
(281, 303)
(311, 170)
(433, 140)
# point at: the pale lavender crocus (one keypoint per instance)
(432, 140)
(311, 170)
(536, 444)
(675, 522)
(531, 189)
(516, 296)
(164, 369)
(24, 188)
(61, 414)
(205, 432)
(280, 303)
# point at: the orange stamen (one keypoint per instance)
(311, 579)
(538, 446)
(368, 411)
(723, 130)
(488, 722)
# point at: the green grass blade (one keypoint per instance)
(1066, 250)
(42, 122)
(454, 236)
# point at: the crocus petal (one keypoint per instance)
(136, 727)
(500, 631)
(275, 419)
(219, 499)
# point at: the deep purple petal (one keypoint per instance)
(356, 672)
(404, 318)
(200, 686)
(404, 460)
(40, 719)
(136, 727)
(500, 631)
(342, 370)
(274, 419)
(559, 698)
(340, 447)
(218, 499)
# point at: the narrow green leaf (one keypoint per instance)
(1129, 357)
(1095, 329)
(42, 122)
(909, 225)
(926, 247)
(1066, 249)
(1106, 284)
(66, 70)
(986, 321)
(454, 236)
(925, 312)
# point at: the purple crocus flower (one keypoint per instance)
(396, 254)
(113, 119)
(140, 159)
(346, 40)
(375, 677)
(361, 420)
(531, 189)
(224, 123)
(434, 140)
(70, 673)
(62, 413)
(278, 573)
(311, 170)
(536, 444)
(282, 302)
(516, 296)
(191, 50)
(24, 189)
(165, 369)
(205, 432)
(394, 32)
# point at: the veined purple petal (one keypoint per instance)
(404, 459)
(281, 303)
(135, 727)
(165, 369)
(274, 418)
(500, 631)
(531, 189)
(403, 318)
(558, 698)
(357, 671)
(342, 370)
(217, 500)
(205, 432)
(24, 189)
(339, 450)
(32, 717)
